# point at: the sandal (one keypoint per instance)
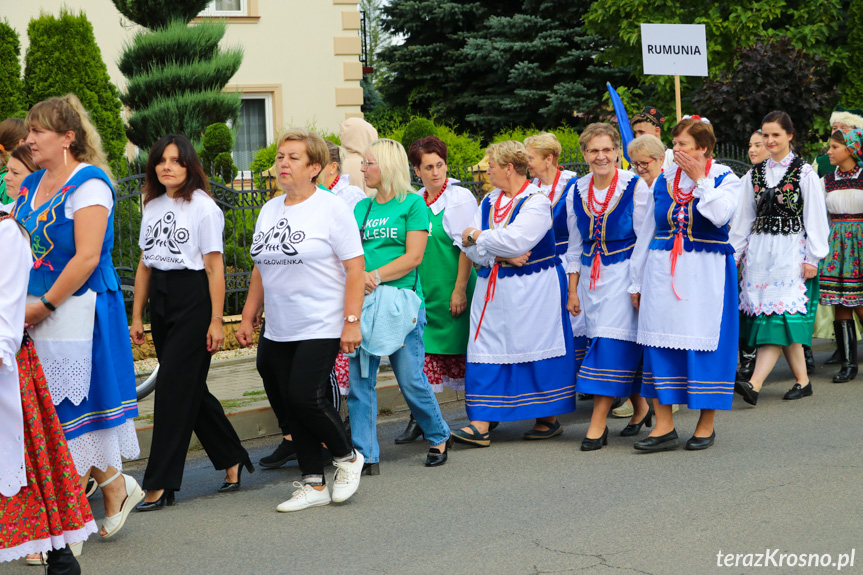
(476, 438)
(134, 495)
(554, 429)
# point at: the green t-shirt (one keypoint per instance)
(386, 231)
(4, 198)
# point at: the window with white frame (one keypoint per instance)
(254, 129)
(225, 8)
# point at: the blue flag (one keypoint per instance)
(622, 120)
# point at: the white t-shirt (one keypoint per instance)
(299, 251)
(93, 192)
(175, 234)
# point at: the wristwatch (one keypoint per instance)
(470, 238)
(352, 319)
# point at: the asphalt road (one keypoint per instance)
(783, 476)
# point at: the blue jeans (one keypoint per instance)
(407, 365)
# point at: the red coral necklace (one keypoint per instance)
(500, 214)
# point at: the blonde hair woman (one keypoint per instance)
(394, 230)
(74, 302)
(521, 362)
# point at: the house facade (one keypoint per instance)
(301, 64)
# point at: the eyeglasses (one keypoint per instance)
(605, 151)
(366, 163)
(642, 165)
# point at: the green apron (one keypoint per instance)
(444, 334)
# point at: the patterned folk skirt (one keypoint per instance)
(51, 511)
(840, 273)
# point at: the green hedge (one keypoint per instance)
(11, 87)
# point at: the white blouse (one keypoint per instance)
(848, 201)
(459, 206)
(17, 260)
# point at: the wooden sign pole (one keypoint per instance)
(677, 96)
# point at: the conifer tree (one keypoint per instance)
(63, 58)
(175, 71)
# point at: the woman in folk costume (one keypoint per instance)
(42, 505)
(543, 152)
(74, 304)
(520, 354)
(781, 232)
(687, 302)
(446, 273)
(604, 218)
(841, 278)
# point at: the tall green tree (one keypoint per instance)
(534, 67)
(11, 87)
(176, 72)
(813, 25)
(851, 87)
(63, 58)
(781, 77)
(432, 32)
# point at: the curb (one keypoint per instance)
(257, 420)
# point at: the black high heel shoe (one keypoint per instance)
(435, 457)
(164, 500)
(634, 428)
(62, 562)
(228, 487)
(588, 444)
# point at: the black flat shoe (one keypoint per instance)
(667, 442)
(554, 429)
(634, 428)
(698, 443)
(798, 392)
(412, 432)
(283, 453)
(588, 444)
(166, 499)
(745, 389)
(436, 458)
(228, 487)
(371, 469)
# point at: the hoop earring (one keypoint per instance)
(65, 161)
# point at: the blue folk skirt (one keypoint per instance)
(698, 379)
(515, 391)
(611, 368)
(580, 351)
(112, 397)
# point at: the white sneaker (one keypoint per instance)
(346, 481)
(304, 497)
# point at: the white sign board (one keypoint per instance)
(674, 49)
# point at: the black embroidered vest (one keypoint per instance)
(778, 210)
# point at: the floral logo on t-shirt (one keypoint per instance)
(165, 233)
(279, 238)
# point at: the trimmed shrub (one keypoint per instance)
(63, 58)
(566, 135)
(156, 13)
(11, 87)
(218, 142)
(462, 150)
(176, 72)
(416, 129)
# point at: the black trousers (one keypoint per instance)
(271, 386)
(296, 377)
(180, 311)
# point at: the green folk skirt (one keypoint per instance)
(783, 329)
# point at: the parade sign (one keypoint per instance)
(674, 49)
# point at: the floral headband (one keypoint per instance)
(695, 117)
